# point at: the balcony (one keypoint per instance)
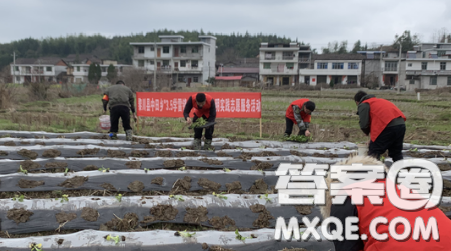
(304, 59)
(269, 57)
(429, 72)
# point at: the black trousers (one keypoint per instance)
(391, 139)
(208, 131)
(122, 112)
(289, 127)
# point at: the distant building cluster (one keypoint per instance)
(192, 63)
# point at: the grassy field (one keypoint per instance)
(334, 119)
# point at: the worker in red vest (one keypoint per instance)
(384, 122)
(204, 106)
(367, 212)
(299, 113)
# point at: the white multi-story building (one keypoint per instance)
(336, 68)
(37, 69)
(428, 66)
(188, 62)
(80, 71)
(279, 63)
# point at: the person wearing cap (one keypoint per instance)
(204, 106)
(385, 124)
(299, 113)
(120, 101)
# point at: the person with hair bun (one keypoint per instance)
(299, 113)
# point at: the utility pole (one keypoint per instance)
(154, 66)
(14, 67)
(381, 81)
(399, 69)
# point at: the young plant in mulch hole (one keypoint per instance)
(221, 196)
(184, 234)
(64, 198)
(18, 198)
(116, 239)
(104, 170)
(413, 150)
(183, 148)
(146, 170)
(22, 170)
(183, 168)
(119, 197)
(177, 197)
(344, 147)
(298, 138)
(66, 171)
(226, 170)
(35, 247)
(242, 238)
(266, 197)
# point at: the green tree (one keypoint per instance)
(406, 40)
(112, 74)
(357, 47)
(94, 73)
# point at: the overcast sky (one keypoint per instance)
(313, 21)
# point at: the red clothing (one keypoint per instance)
(382, 112)
(205, 108)
(300, 102)
(367, 212)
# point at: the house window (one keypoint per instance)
(17, 68)
(449, 81)
(353, 66)
(391, 66)
(412, 82)
(290, 66)
(266, 65)
(152, 48)
(78, 68)
(18, 79)
(285, 81)
(196, 79)
(152, 62)
(441, 53)
(442, 66)
(165, 49)
(140, 49)
(424, 65)
(433, 80)
(195, 49)
(165, 62)
(288, 55)
(183, 49)
(181, 79)
(409, 64)
(424, 54)
(140, 63)
(322, 65)
(182, 63)
(48, 68)
(104, 69)
(337, 66)
(194, 63)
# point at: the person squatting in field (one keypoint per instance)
(299, 113)
(385, 124)
(204, 107)
(120, 100)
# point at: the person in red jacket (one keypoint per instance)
(367, 212)
(299, 113)
(204, 107)
(384, 122)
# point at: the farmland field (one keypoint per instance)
(70, 187)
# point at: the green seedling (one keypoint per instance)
(199, 122)
(298, 138)
(119, 197)
(344, 147)
(177, 197)
(266, 198)
(382, 159)
(66, 171)
(18, 198)
(226, 170)
(146, 170)
(104, 170)
(22, 170)
(64, 198)
(239, 148)
(260, 170)
(262, 147)
(182, 168)
(221, 196)
(35, 247)
(414, 150)
(186, 234)
(116, 239)
(183, 148)
(242, 238)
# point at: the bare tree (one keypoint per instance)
(439, 36)
(135, 78)
(229, 55)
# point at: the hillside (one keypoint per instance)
(118, 48)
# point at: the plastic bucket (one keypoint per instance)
(362, 150)
(105, 123)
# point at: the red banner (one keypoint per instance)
(172, 104)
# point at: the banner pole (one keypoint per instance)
(260, 127)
